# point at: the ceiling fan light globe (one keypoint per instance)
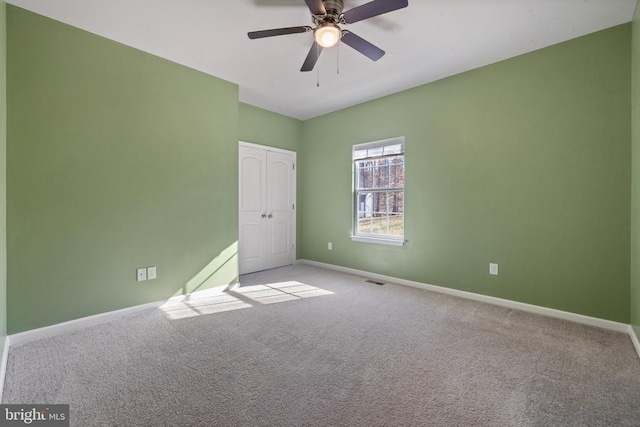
(327, 35)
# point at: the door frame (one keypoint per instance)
(294, 190)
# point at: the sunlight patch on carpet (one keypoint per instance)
(238, 298)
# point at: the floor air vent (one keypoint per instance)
(375, 282)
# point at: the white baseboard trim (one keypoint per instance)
(3, 366)
(78, 324)
(97, 319)
(634, 339)
(530, 308)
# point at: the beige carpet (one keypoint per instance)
(303, 346)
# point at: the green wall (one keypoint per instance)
(525, 163)
(116, 160)
(635, 173)
(3, 175)
(265, 127)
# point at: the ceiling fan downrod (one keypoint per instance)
(333, 9)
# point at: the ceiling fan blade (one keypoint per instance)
(371, 9)
(312, 57)
(361, 45)
(278, 32)
(316, 7)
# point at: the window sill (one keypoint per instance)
(378, 240)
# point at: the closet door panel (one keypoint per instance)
(280, 176)
(253, 244)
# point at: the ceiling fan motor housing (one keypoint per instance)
(333, 8)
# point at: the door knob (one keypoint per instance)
(264, 215)
(270, 216)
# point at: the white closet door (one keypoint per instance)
(280, 207)
(266, 205)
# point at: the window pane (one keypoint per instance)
(365, 204)
(396, 202)
(396, 225)
(365, 218)
(379, 204)
(396, 174)
(381, 176)
(364, 174)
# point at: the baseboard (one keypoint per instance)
(634, 339)
(3, 367)
(530, 308)
(97, 319)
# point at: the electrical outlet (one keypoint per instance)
(151, 272)
(141, 274)
(330, 246)
(493, 269)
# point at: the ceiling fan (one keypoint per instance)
(327, 16)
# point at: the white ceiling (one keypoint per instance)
(429, 40)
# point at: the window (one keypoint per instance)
(379, 191)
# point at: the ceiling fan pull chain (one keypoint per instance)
(338, 61)
(317, 68)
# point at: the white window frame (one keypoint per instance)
(374, 238)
